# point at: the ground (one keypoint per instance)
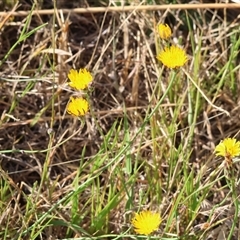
(148, 139)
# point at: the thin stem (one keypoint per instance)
(203, 94)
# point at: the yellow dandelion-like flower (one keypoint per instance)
(81, 79)
(146, 222)
(229, 148)
(77, 107)
(172, 57)
(164, 31)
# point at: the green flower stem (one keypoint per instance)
(172, 78)
(203, 94)
(235, 201)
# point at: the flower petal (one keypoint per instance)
(146, 222)
(77, 107)
(80, 80)
(164, 31)
(172, 57)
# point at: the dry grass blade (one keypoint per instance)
(131, 8)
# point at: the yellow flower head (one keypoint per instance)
(164, 31)
(80, 79)
(77, 106)
(172, 57)
(146, 222)
(228, 148)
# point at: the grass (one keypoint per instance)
(147, 142)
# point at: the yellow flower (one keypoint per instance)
(228, 148)
(172, 57)
(146, 222)
(80, 79)
(164, 31)
(77, 106)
